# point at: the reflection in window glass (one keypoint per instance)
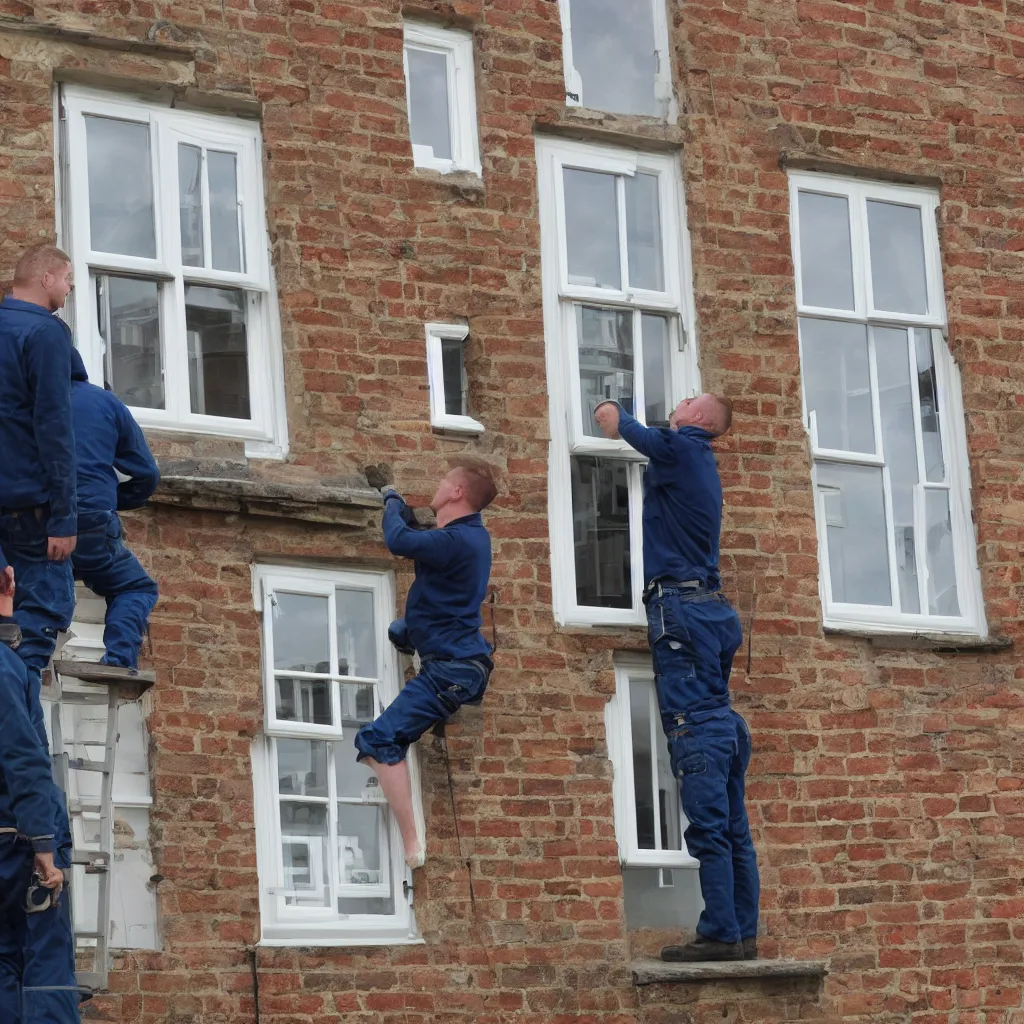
(357, 635)
(453, 371)
(657, 368)
(190, 204)
(935, 470)
(942, 596)
(605, 338)
(362, 845)
(614, 53)
(643, 232)
(896, 241)
(592, 229)
(128, 315)
(600, 511)
(429, 119)
(826, 255)
(303, 700)
(218, 358)
(225, 240)
(301, 634)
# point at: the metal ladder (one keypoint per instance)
(83, 684)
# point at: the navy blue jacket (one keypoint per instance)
(682, 501)
(26, 781)
(107, 438)
(453, 566)
(36, 435)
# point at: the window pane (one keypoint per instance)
(826, 255)
(358, 705)
(128, 314)
(899, 440)
(120, 187)
(300, 632)
(613, 51)
(643, 232)
(304, 851)
(428, 101)
(453, 372)
(657, 386)
(224, 237)
(361, 856)
(935, 470)
(897, 257)
(600, 512)
(837, 384)
(649, 903)
(357, 634)
(218, 362)
(302, 767)
(670, 835)
(351, 905)
(592, 228)
(643, 778)
(605, 338)
(303, 700)
(857, 536)
(942, 596)
(190, 204)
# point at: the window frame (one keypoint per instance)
(664, 87)
(265, 431)
(957, 484)
(631, 668)
(457, 48)
(325, 926)
(436, 334)
(676, 301)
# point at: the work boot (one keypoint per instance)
(750, 948)
(10, 635)
(702, 950)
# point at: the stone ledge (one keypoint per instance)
(939, 643)
(657, 972)
(352, 507)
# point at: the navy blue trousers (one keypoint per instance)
(37, 951)
(433, 696)
(694, 635)
(104, 564)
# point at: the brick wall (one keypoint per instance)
(884, 790)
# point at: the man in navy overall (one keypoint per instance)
(108, 441)
(694, 633)
(442, 624)
(37, 951)
(38, 499)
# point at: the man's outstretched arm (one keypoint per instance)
(432, 547)
(615, 422)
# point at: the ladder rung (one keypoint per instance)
(93, 858)
(81, 764)
(88, 935)
(91, 980)
(84, 807)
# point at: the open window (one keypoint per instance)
(330, 856)
(618, 315)
(616, 56)
(165, 222)
(660, 880)
(441, 94)
(449, 382)
(883, 407)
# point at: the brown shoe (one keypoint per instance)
(750, 948)
(702, 950)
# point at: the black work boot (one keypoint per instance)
(750, 948)
(702, 950)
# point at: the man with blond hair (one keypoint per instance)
(694, 633)
(442, 625)
(38, 492)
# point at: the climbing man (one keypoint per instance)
(109, 442)
(37, 952)
(694, 633)
(38, 517)
(442, 625)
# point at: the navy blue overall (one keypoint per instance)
(108, 441)
(442, 623)
(37, 957)
(694, 633)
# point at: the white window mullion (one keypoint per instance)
(333, 864)
(920, 518)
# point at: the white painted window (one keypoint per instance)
(330, 859)
(618, 313)
(883, 407)
(661, 884)
(616, 56)
(441, 94)
(449, 382)
(163, 215)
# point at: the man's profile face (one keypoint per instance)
(448, 490)
(58, 285)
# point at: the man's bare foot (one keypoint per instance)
(416, 857)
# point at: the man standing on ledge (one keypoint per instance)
(694, 633)
(442, 624)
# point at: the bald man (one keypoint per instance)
(694, 633)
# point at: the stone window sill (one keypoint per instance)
(656, 972)
(939, 643)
